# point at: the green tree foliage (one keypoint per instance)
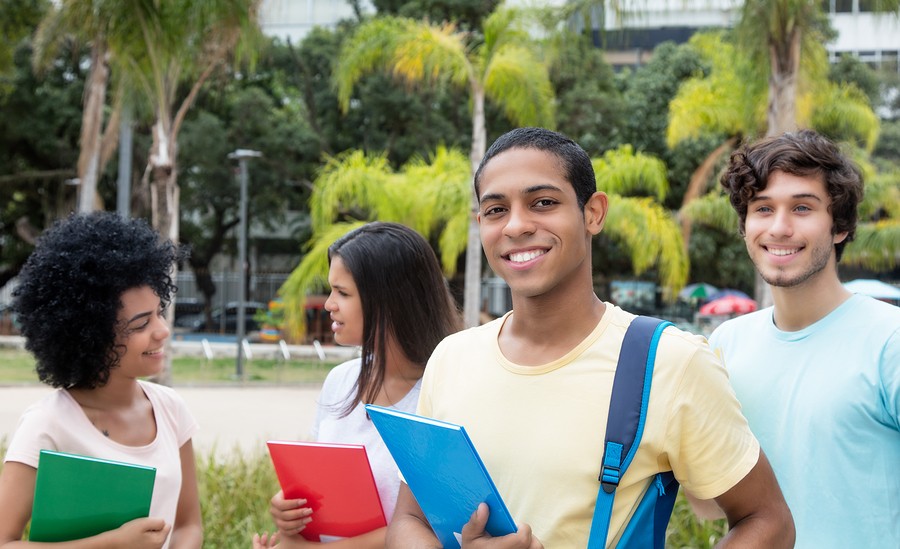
(650, 89)
(590, 108)
(385, 116)
(850, 70)
(468, 14)
(18, 18)
(240, 115)
(645, 231)
(647, 93)
(39, 128)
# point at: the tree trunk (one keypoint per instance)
(699, 183)
(164, 194)
(472, 292)
(92, 128)
(784, 58)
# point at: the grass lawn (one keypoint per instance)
(17, 366)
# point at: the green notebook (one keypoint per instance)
(77, 496)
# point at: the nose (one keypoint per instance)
(781, 224)
(518, 222)
(329, 303)
(162, 330)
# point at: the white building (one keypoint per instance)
(292, 19)
(630, 38)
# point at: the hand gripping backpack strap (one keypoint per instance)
(627, 414)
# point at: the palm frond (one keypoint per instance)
(370, 47)
(621, 171)
(728, 101)
(520, 83)
(876, 246)
(501, 28)
(713, 210)
(652, 237)
(882, 196)
(347, 181)
(431, 53)
(843, 113)
(440, 188)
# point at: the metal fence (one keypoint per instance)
(261, 286)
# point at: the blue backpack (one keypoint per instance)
(625, 425)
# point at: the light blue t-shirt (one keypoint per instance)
(824, 403)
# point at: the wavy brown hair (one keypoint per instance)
(804, 154)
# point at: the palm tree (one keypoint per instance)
(154, 47)
(167, 48)
(502, 67)
(777, 34)
(730, 101)
(85, 21)
(433, 197)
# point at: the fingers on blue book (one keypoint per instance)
(77, 496)
(444, 472)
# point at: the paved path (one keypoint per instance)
(229, 417)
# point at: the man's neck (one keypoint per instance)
(803, 305)
(545, 328)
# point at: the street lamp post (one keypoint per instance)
(241, 155)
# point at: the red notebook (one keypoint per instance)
(337, 482)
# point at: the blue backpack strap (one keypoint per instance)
(627, 414)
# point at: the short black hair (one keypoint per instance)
(69, 293)
(574, 161)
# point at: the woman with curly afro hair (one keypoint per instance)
(91, 302)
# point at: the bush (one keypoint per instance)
(234, 498)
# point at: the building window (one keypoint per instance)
(843, 6)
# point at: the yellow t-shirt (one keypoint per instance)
(540, 429)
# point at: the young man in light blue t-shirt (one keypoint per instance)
(818, 374)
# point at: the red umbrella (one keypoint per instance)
(729, 304)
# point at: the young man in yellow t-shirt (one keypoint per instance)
(533, 388)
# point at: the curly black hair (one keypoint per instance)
(69, 293)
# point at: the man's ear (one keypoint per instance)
(595, 212)
(839, 237)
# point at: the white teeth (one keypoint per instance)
(783, 252)
(522, 257)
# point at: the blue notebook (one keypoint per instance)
(443, 471)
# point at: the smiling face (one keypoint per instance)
(344, 304)
(142, 331)
(535, 236)
(788, 231)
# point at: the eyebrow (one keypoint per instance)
(138, 317)
(799, 196)
(526, 191)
